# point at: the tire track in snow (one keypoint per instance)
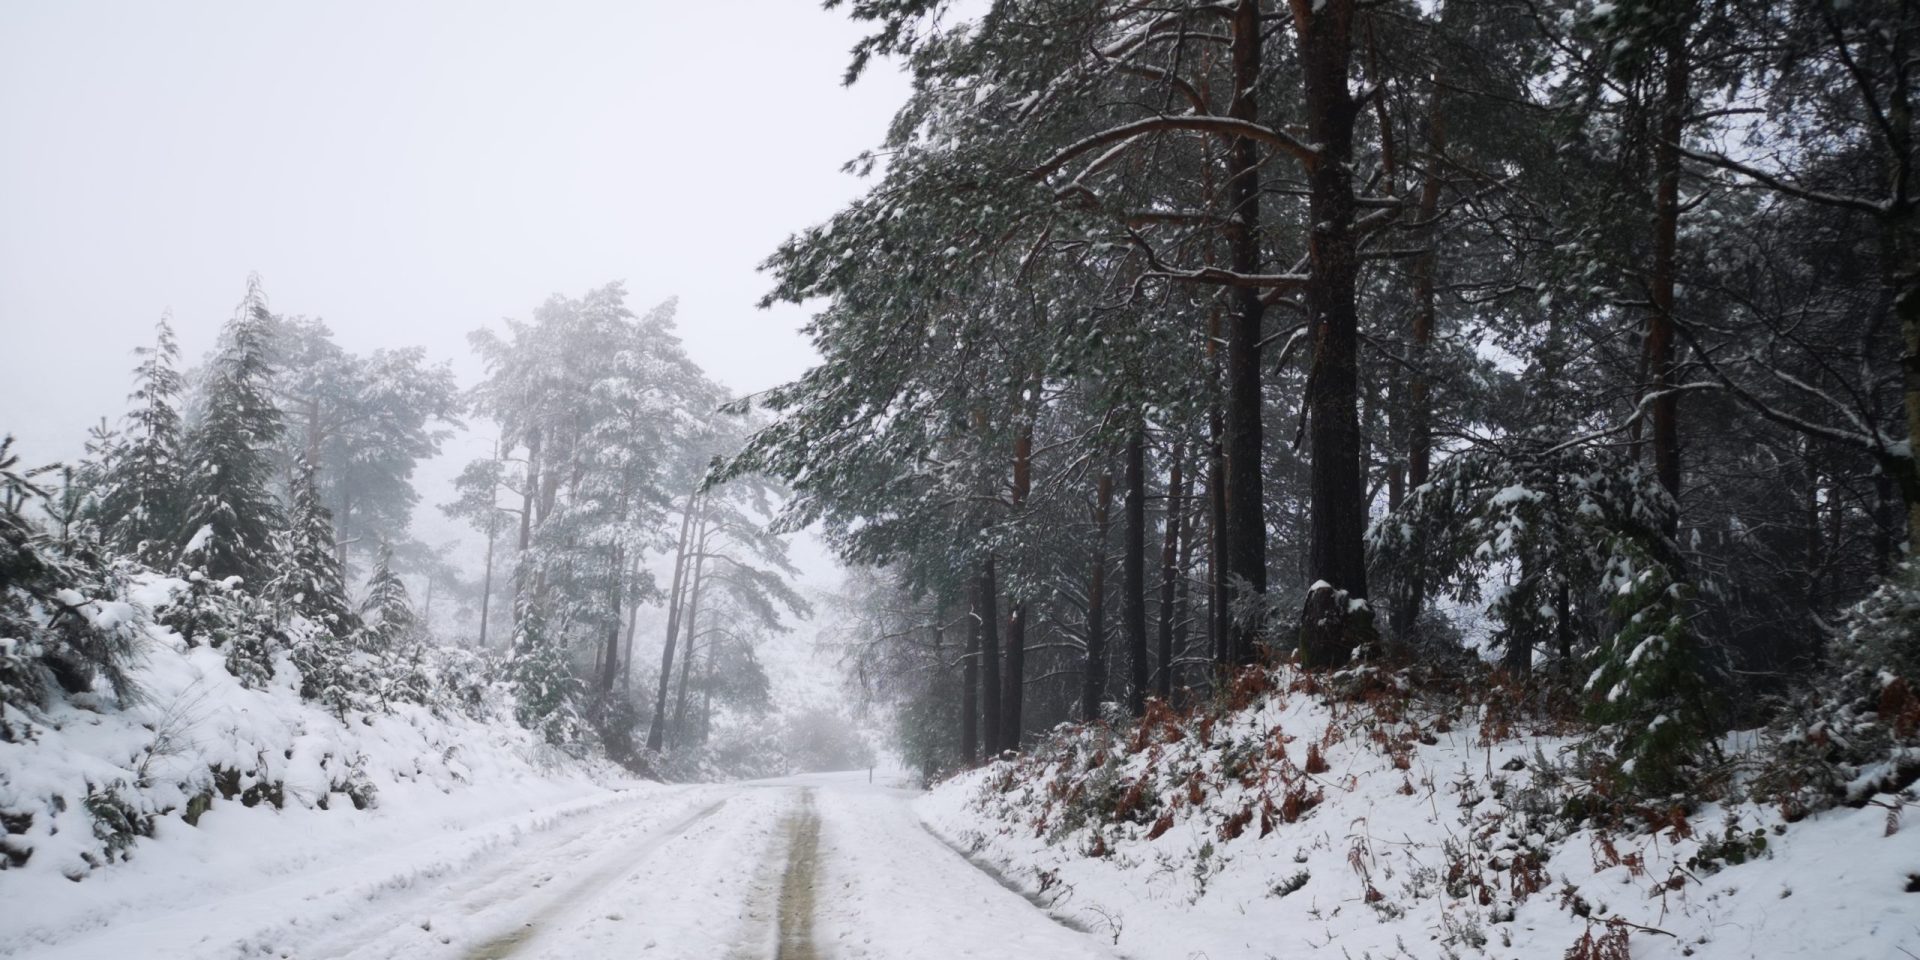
(506, 944)
(797, 887)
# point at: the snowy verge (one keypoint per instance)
(202, 790)
(1306, 824)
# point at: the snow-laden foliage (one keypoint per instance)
(1567, 545)
(1857, 732)
(65, 629)
(229, 514)
(138, 499)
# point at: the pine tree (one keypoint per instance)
(56, 632)
(230, 515)
(387, 611)
(310, 582)
(140, 495)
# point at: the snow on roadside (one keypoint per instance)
(1301, 826)
(202, 789)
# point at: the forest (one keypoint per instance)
(1452, 459)
(1571, 342)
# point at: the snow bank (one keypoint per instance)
(1308, 824)
(203, 787)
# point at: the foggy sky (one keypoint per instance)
(407, 172)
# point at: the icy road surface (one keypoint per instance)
(819, 866)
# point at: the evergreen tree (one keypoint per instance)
(60, 629)
(141, 490)
(230, 514)
(386, 610)
(310, 582)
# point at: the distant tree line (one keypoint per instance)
(269, 493)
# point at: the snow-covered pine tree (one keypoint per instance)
(230, 515)
(139, 501)
(391, 634)
(311, 588)
(63, 625)
(386, 610)
(545, 690)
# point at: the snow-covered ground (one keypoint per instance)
(811, 866)
(1299, 827)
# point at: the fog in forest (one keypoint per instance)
(937, 478)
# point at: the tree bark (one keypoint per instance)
(610, 666)
(1014, 695)
(987, 613)
(1336, 552)
(1245, 531)
(693, 620)
(1094, 678)
(656, 735)
(1675, 98)
(970, 694)
(1219, 611)
(1133, 562)
(1412, 597)
(1169, 573)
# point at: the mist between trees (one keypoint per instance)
(1570, 341)
(1563, 348)
(267, 491)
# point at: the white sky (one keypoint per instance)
(407, 172)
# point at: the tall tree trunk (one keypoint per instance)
(486, 587)
(1900, 264)
(521, 572)
(992, 712)
(706, 691)
(1336, 553)
(1170, 572)
(633, 626)
(1675, 99)
(1412, 594)
(1016, 674)
(1133, 565)
(1219, 610)
(1182, 602)
(610, 668)
(1094, 678)
(692, 520)
(1245, 531)
(970, 693)
(693, 636)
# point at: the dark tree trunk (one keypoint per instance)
(970, 693)
(610, 662)
(986, 611)
(1094, 679)
(706, 692)
(1133, 565)
(1412, 596)
(656, 735)
(1336, 553)
(633, 625)
(1219, 611)
(1666, 160)
(1169, 573)
(1182, 602)
(1244, 533)
(693, 636)
(1014, 695)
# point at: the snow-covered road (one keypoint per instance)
(820, 866)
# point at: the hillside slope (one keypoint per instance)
(1386, 826)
